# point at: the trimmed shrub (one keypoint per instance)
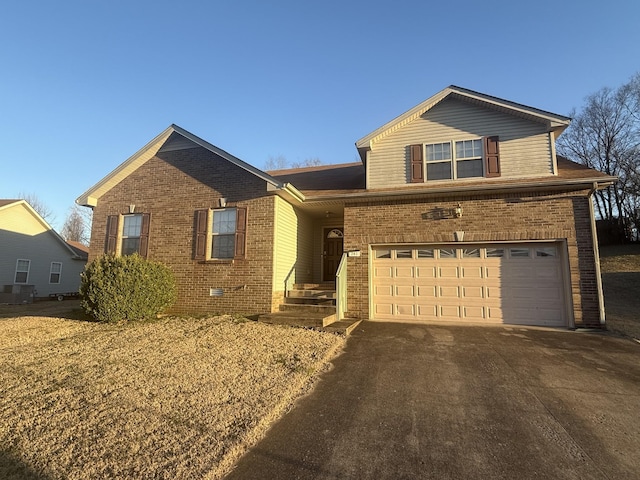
(126, 288)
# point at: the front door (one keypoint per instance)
(332, 253)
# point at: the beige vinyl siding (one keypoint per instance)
(293, 246)
(23, 236)
(525, 148)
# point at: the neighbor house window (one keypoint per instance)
(22, 271)
(455, 160)
(56, 272)
(128, 234)
(220, 233)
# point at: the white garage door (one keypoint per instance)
(514, 284)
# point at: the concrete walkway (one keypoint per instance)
(458, 402)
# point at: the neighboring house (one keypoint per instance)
(460, 211)
(34, 260)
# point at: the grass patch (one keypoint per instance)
(620, 265)
(173, 398)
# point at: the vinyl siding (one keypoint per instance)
(525, 147)
(23, 236)
(293, 246)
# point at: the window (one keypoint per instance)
(131, 231)
(426, 253)
(469, 158)
(546, 252)
(22, 271)
(439, 161)
(455, 160)
(519, 252)
(495, 252)
(447, 253)
(224, 233)
(56, 272)
(220, 233)
(383, 253)
(404, 253)
(470, 253)
(128, 234)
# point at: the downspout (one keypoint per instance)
(596, 253)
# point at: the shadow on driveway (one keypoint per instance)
(440, 401)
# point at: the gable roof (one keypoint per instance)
(6, 204)
(552, 121)
(91, 196)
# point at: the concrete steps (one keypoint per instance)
(310, 306)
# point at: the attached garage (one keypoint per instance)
(520, 283)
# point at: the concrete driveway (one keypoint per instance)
(460, 402)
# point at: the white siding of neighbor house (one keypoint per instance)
(23, 236)
(293, 246)
(525, 146)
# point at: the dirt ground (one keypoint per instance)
(171, 399)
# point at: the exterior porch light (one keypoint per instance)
(458, 210)
(223, 202)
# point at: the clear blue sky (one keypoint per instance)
(85, 84)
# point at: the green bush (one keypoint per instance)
(126, 288)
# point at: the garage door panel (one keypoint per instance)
(383, 290)
(511, 288)
(404, 291)
(449, 272)
(426, 272)
(429, 311)
(405, 309)
(473, 292)
(474, 313)
(473, 272)
(428, 291)
(403, 272)
(383, 309)
(383, 271)
(449, 311)
(449, 292)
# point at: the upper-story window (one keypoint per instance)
(455, 160)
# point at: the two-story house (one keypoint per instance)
(459, 211)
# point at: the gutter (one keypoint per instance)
(596, 252)
(457, 190)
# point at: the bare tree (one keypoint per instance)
(276, 163)
(39, 206)
(307, 162)
(280, 163)
(77, 226)
(605, 135)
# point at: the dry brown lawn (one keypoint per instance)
(621, 283)
(172, 399)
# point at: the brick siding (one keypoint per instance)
(490, 218)
(171, 187)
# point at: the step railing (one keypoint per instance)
(341, 288)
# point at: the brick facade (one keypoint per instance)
(486, 218)
(171, 187)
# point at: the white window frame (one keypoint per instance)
(52, 272)
(453, 159)
(124, 237)
(211, 237)
(15, 277)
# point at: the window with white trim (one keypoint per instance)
(454, 159)
(220, 233)
(223, 233)
(446, 163)
(22, 271)
(55, 272)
